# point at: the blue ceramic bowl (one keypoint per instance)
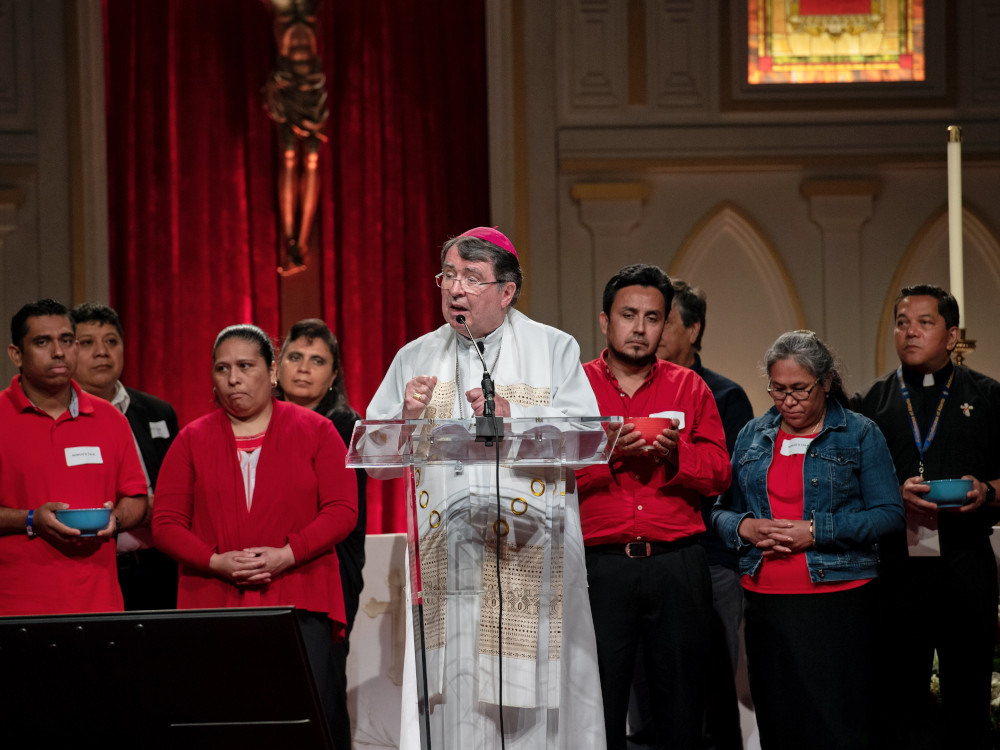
(948, 491)
(87, 520)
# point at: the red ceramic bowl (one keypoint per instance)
(650, 427)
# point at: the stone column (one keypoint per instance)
(840, 208)
(609, 211)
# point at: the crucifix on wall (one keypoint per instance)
(295, 98)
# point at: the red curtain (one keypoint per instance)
(192, 163)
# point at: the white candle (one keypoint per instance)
(956, 268)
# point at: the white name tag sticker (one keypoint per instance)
(678, 415)
(795, 446)
(922, 538)
(84, 454)
(159, 429)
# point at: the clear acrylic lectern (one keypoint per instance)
(488, 570)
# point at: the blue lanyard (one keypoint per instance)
(923, 445)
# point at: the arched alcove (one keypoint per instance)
(751, 298)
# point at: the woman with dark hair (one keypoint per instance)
(813, 490)
(251, 499)
(310, 375)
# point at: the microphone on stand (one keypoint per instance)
(487, 428)
(490, 432)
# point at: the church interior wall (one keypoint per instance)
(839, 192)
(571, 69)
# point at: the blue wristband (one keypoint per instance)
(31, 531)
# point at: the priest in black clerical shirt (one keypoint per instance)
(941, 421)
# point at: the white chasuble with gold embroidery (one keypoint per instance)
(551, 688)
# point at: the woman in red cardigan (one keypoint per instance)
(252, 497)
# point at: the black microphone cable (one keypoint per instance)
(496, 436)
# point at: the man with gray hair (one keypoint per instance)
(551, 693)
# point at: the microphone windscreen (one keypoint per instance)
(460, 319)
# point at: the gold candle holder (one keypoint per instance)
(963, 347)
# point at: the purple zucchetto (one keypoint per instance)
(491, 234)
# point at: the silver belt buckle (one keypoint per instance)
(643, 546)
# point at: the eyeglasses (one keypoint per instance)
(470, 284)
(798, 394)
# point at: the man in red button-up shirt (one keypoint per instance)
(640, 513)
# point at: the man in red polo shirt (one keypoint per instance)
(59, 448)
(641, 516)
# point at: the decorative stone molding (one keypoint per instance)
(10, 199)
(17, 80)
(592, 50)
(986, 59)
(8, 59)
(679, 46)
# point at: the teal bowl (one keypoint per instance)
(88, 520)
(948, 492)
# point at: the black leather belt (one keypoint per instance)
(642, 549)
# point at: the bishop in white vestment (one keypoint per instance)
(551, 693)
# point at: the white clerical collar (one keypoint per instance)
(489, 341)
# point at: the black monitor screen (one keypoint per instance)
(166, 679)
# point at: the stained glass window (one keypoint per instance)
(835, 41)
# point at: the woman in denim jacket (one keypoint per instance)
(814, 489)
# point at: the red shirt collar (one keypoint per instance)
(22, 403)
(657, 362)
